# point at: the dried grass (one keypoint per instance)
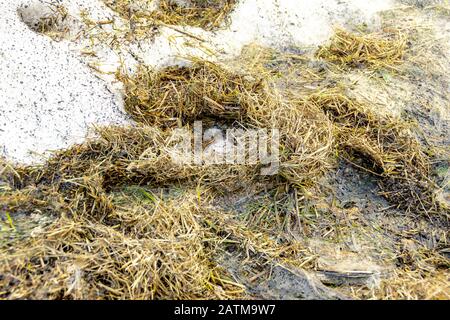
(384, 146)
(53, 24)
(415, 285)
(141, 155)
(314, 127)
(209, 14)
(365, 50)
(142, 251)
(177, 95)
(109, 242)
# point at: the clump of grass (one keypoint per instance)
(180, 95)
(134, 156)
(416, 286)
(176, 95)
(305, 134)
(144, 247)
(364, 50)
(207, 14)
(422, 275)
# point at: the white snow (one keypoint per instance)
(48, 96)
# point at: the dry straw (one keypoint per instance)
(314, 127)
(112, 237)
(54, 23)
(176, 95)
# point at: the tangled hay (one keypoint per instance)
(54, 24)
(382, 145)
(207, 14)
(152, 250)
(373, 51)
(175, 96)
(132, 244)
(305, 136)
(414, 285)
(423, 276)
(314, 127)
(113, 237)
(141, 155)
